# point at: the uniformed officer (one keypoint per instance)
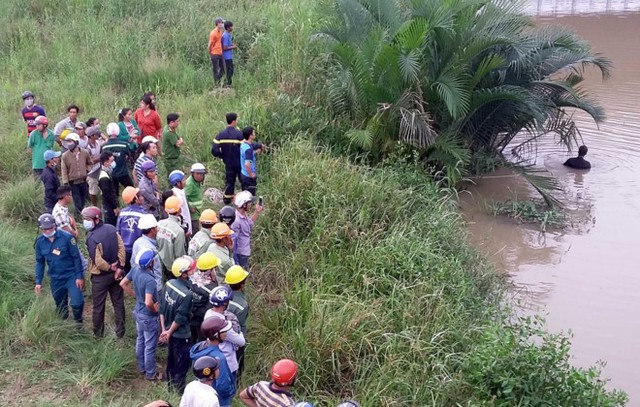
(226, 145)
(171, 236)
(59, 250)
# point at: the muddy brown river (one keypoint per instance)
(585, 278)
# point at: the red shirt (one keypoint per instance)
(150, 125)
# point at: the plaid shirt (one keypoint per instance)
(61, 214)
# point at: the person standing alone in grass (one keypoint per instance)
(227, 50)
(31, 111)
(215, 51)
(226, 146)
(40, 140)
(171, 143)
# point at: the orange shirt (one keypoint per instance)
(150, 125)
(215, 42)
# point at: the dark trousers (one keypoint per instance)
(79, 191)
(240, 357)
(101, 285)
(63, 290)
(242, 261)
(228, 68)
(217, 64)
(110, 216)
(124, 180)
(230, 176)
(178, 363)
(249, 184)
(127, 262)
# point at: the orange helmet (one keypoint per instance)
(172, 204)
(284, 372)
(220, 231)
(208, 217)
(128, 194)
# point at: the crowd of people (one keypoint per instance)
(187, 266)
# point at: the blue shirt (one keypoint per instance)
(61, 255)
(226, 42)
(143, 284)
(145, 242)
(247, 154)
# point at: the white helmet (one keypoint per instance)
(147, 221)
(150, 139)
(113, 129)
(73, 136)
(243, 198)
(198, 168)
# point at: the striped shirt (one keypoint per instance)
(138, 166)
(266, 395)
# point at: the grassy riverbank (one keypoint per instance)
(361, 275)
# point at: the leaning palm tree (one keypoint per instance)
(470, 74)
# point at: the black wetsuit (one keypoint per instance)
(578, 162)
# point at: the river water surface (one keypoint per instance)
(585, 278)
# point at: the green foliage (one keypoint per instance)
(22, 200)
(530, 212)
(523, 365)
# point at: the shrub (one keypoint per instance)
(22, 200)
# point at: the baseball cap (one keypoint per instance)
(93, 131)
(46, 221)
(81, 125)
(49, 154)
(149, 139)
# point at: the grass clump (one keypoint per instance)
(530, 211)
(22, 199)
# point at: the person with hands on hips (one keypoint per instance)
(59, 251)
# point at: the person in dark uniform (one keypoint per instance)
(226, 145)
(59, 250)
(579, 162)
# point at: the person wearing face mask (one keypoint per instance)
(31, 111)
(75, 165)
(107, 258)
(50, 179)
(121, 151)
(59, 251)
(105, 183)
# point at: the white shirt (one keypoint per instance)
(198, 394)
(184, 210)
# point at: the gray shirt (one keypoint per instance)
(242, 227)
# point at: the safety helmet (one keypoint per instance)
(349, 403)
(27, 94)
(41, 120)
(73, 137)
(64, 133)
(91, 212)
(235, 275)
(172, 204)
(198, 168)
(175, 177)
(182, 265)
(220, 231)
(303, 404)
(243, 198)
(129, 194)
(147, 166)
(207, 261)
(205, 367)
(113, 129)
(221, 295)
(284, 372)
(213, 326)
(147, 221)
(208, 217)
(144, 258)
(227, 215)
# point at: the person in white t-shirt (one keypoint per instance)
(200, 393)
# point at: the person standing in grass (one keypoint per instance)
(148, 225)
(227, 50)
(177, 180)
(93, 147)
(50, 179)
(120, 151)
(171, 236)
(171, 143)
(128, 218)
(59, 251)
(31, 111)
(248, 168)
(193, 192)
(107, 255)
(236, 277)
(226, 146)
(68, 123)
(175, 319)
(75, 165)
(203, 282)
(60, 212)
(148, 119)
(146, 311)
(200, 242)
(275, 393)
(243, 226)
(109, 194)
(222, 247)
(215, 51)
(40, 140)
(149, 188)
(129, 130)
(149, 149)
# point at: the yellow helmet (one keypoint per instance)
(220, 230)
(182, 264)
(209, 217)
(172, 204)
(207, 261)
(235, 275)
(64, 134)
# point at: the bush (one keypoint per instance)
(22, 200)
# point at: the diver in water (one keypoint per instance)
(579, 162)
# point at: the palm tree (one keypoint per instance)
(454, 76)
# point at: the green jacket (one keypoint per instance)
(199, 243)
(200, 302)
(240, 307)
(176, 306)
(193, 192)
(225, 256)
(171, 240)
